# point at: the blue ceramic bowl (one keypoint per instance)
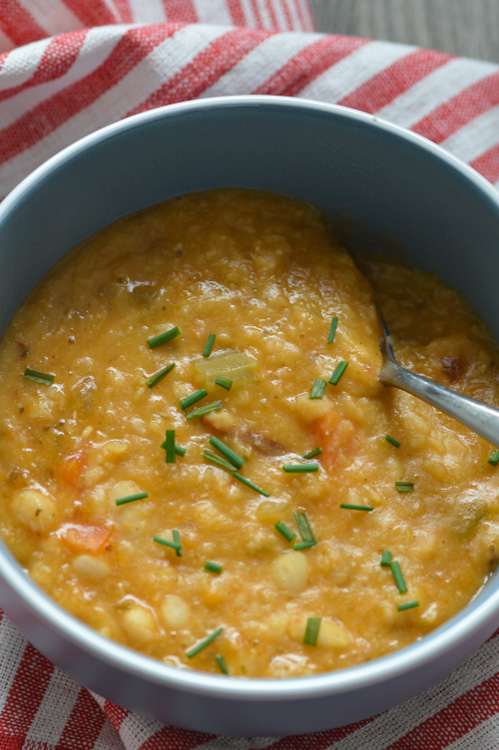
(388, 184)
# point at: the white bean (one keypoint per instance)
(139, 624)
(35, 509)
(290, 571)
(175, 611)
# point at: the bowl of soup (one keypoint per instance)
(212, 511)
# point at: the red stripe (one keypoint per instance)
(287, 14)
(206, 68)
(322, 740)
(454, 721)
(308, 64)
(50, 114)
(171, 737)
(303, 6)
(18, 24)
(272, 14)
(124, 12)
(449, 117)
(25, 695)
(86, 719)
(256, 11)
(115, 714)
(299, 12)
(181, 10)
(95, 13)
(389, 83)
(488, 164)
(59, 56)
(236, 11)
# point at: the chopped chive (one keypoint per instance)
(249, 484)
(221, 663)
(167, 543)
(179, 450)
(209, 345)
(318, 389)
(405, 486)
(285, 531)
(304, 545)
(338, 372)
(46, 378)
(132, 498)
(176, 539)
(313, 454)
(332, 330)
(407, 605)
(170, 446)
(304, 527)
(158, 377)
(224, 383)
(353, 506)
(203, 410)
(312, 631)
(386, 559)
(391, 440)
(227, 452)
(300, 468)
(213, 567)
(494, 458)
(193, 650)
(398, 577)
(193, 398)
(163, 338)
(218, 460)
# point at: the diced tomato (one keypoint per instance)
(84, 537)
(71, 468)
(337, 437)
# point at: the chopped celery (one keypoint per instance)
(235, 366)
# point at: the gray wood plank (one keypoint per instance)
(459, 27)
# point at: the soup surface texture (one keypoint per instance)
(359, 518)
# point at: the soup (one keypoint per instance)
(198, 461)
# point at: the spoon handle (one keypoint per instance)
(481, 418)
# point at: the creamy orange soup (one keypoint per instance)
(344, 521)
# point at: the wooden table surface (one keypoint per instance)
(460, 27)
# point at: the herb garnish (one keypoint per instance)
(209, 345)
(332, 330)
(227, 452)
(318, 389)
(45, 378)
(193, 398)
(158, 377)
(391, 440)
(312, 631)
(162, 338)
(193, 650)
(203, 410)
(338, 372)
(286, 532)
(132, 498)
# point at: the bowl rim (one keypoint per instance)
(472, 618)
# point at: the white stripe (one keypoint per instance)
(249, 14)
(135, 731)
(264, 14)
(260, 64)
(96, 47)
(162, 63)
(397, 722)
(54, 17)
(476, 137)
(497, 185)
(351, 72)
(110, 6)
(13, 647)
(22, 62)
(484, 737)
(295, 20)
(152, 11)
(108, 738)
(216, 11)
(436, 88)
(307, 14)
(58, 701)
(282, 24)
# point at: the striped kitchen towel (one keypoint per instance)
(68, 67)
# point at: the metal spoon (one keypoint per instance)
(481, 418)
